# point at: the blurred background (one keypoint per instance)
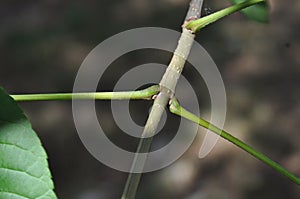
(43, 43)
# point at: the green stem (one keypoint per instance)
(178, 110)
(196, 25)
(141, 94)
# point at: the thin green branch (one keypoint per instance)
(140, 94)
(178, 110)
(196, 25)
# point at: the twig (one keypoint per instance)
(196, 25)
(141, 94)
(178, 110)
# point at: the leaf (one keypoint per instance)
(259, 12)
(24, 171)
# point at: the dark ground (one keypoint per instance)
(42, 44)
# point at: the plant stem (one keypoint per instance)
(141, 94)
(178, 110)
(167, 89)
(144, 146)
(204, 21)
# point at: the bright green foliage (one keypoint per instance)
(259, 12)
(24, 171)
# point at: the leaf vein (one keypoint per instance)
(24, 149)
(26, 173)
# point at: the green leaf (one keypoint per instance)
(24, 171)
(259, 12)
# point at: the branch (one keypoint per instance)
(167, 88)
(178, 110)
(196, 25)
(141, 94)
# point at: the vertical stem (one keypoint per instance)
(194, 11)
(144, 146)
(167, 88)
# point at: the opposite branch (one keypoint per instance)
(196, 25)
(178, 110)
(122, 95)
